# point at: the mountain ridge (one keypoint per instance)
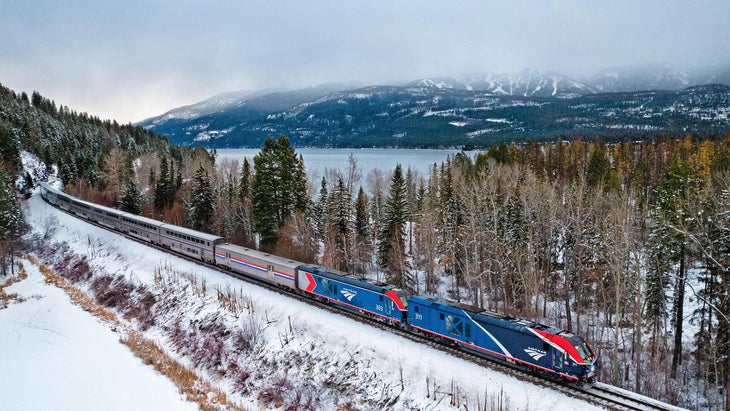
(465, 110)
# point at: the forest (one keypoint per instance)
(626, 244)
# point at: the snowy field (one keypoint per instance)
(55, 356)
(59, 357)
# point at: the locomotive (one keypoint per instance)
(540, 348)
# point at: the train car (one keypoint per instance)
(108, 217)
(379, 300)
(49, 194)
(82, 208)
(545, 349)
(253, 263)
(56, 197)
(146, 229)
(189, 242)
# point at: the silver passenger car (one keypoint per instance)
(268, 267)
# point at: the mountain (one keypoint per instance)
(656, 77)
(638, 78)
(466, 110)
(529, 82)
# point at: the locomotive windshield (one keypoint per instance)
(403, 296)
(584, 352)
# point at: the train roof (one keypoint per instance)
(140, 218)
(486, 315)
(283, 261)
(190, 232)
(97, 206)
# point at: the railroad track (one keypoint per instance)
(613, 398)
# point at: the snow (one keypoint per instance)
(58, 357)
(54, 354)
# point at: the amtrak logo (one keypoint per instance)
(349, 294)
(535, 353)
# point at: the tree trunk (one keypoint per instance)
(679, 317)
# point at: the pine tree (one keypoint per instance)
(361, 215)
(391, 245)
(279, 188)
(201, 193)
(9, 149)
(163, 187)
(319, 210)
(12, 223)
(244, 181)
(340, 225)
(131, 199)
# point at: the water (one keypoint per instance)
(316, 160)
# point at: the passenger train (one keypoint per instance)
(540, 348)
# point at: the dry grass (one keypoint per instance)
(195, 388)
(5, 298)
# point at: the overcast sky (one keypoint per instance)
(129, 60)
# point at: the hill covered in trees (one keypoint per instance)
(430, 114)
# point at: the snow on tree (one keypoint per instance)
(201, 200)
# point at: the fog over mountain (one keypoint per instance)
(472, 110)
(133, 60)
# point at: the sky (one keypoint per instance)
(137, 59)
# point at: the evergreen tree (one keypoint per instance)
(391, 244)
(244, 181)
(12, 223)
(201, 193)
(339, 232)
(131, 199)
(9, 149)
(163, 186)
(279, 188)
(319, 211)
(361, 215)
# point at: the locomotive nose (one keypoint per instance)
(590, 371)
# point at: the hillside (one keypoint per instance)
(75, 142)
(436, 113)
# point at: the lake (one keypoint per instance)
(317, 160)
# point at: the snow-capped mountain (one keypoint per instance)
(466, 110)
(216, 103)
(639, 78)
(245, 101)
(527, 83)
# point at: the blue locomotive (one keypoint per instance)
(380, 300)
(515, 340)
(541, 348)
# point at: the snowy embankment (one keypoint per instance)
(262, 348)
(55, 356)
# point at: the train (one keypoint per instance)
(540, 348)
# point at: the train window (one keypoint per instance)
(415, 308)
(467, 330)
(545, 346)
(381, 298)
(441, 316)
(454, 326)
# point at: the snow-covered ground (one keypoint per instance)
(57, 354)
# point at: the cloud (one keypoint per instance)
(132, 60)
